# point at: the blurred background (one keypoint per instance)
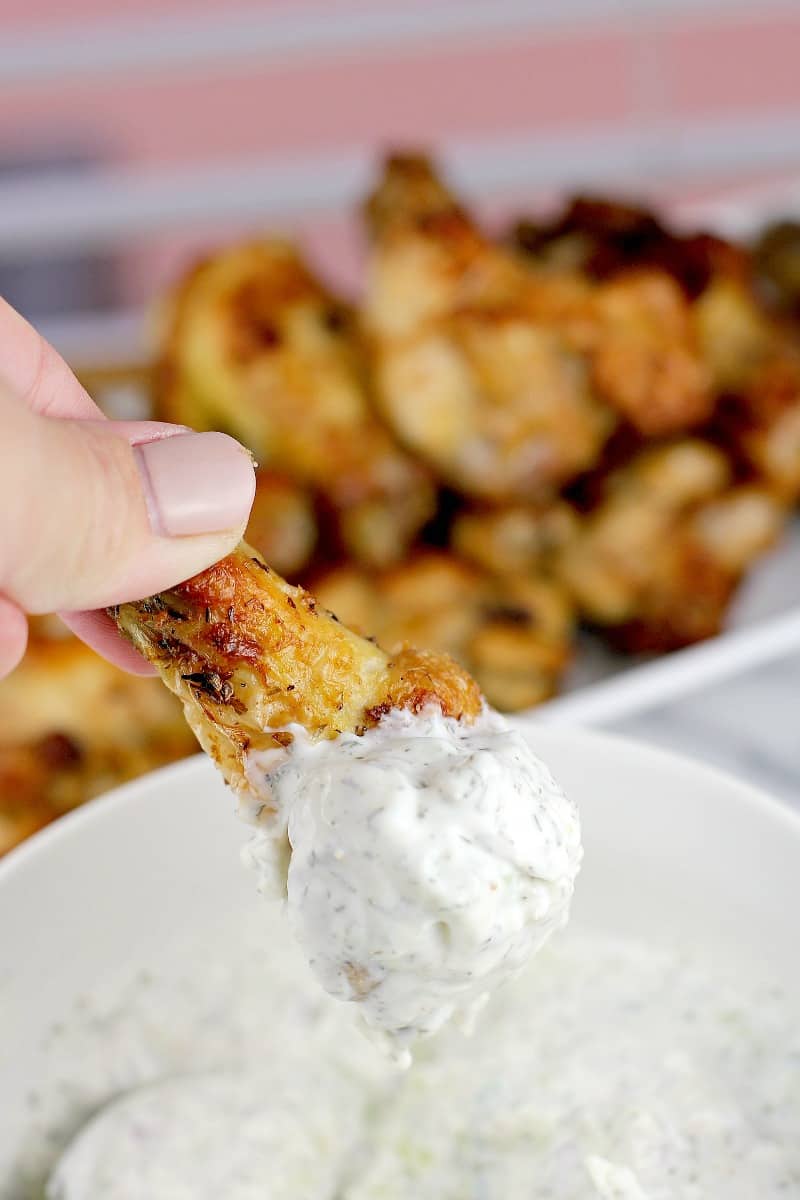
(135, 140)
(129, 139)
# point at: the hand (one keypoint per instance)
(95, 512)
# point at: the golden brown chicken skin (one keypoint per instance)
(495, 401)
(513, 635)
(756, 366)
(74, 726)
(514, 539)
(646, 361)
(256, 346)
(603, 237)
(250, 655)
(636, 335)
(656, 562)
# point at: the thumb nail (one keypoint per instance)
(195, 483)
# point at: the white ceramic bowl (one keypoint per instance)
(674, 852)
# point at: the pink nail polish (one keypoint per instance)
(195, 483)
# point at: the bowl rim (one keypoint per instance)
(740, 792)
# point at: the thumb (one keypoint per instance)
(94, 513)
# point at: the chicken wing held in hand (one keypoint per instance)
(251, 656)
(423, 850)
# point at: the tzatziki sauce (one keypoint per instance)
(423, 863)
(608, 1070)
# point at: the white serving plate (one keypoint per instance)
(675, 853)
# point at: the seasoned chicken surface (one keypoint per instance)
(636, 336)
(494, 400)
(257, 347)
(777, 258)
(657, 561)
(249, 655)
(757, 370)
(513, 635)
(645, 358)
(74, 726)
(603, 238)
(674, 328)
(515, 539)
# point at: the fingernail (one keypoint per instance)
(195, 483)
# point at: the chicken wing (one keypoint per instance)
(645, 358)
(777, 259)
(603, 238)
(514, 539)
(256, 346)
(74, 726)
(496, 402)
(636, 336)
(628, 306)
(656, 563)
(513, 635)
(757, 370)
(250, 656)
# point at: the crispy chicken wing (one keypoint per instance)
(657, 561)
(757, 369)
(636, 335)
(602, 238)
(258, 347)
(74, 726)
(514, 539)
(249, 656)
(497, 402)
(512, 634)
(645, 359)
(620, 285)
(777, 260)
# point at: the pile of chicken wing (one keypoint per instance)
(590, 422)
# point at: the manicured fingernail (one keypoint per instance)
(195, 483)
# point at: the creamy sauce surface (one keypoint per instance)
(423, 863)
(606, 1070)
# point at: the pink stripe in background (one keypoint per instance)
(524, 83)
(636, 73)
(49, 14)
(749, 64)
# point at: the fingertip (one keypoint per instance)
(97, 630)
(13, 636)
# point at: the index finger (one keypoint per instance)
(33, 373)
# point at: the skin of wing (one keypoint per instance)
(283, 524)
(514, 539)
(497, 403)
(603, 238)
(757, 369)
(73, 726)
(257, 347)
(636, 335)
(657, 561)
(646, 361)
(250, 655)
(512, 634)
(777, 257)
(634, 287)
